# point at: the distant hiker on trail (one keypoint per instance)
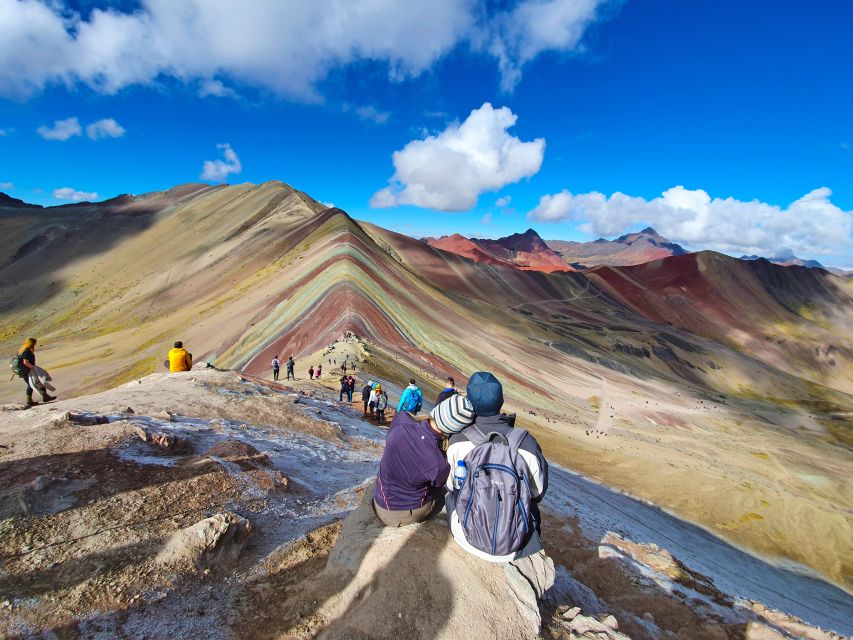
(319, 371)
(350, 388)
(381, 401)
(413, 469)
(290, 364)
(344, 368)
(412, 398)
(311, 373)
(276, 366)
(179, 358)
(365, 394)
(344, 388)
(449, 390)
(25, 367)
(498, 460)
(371, 400)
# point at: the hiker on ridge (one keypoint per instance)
(344, 388)
(449, 390)
(381, 404)
(489, 527)
(290, 364)
(276, 366)
(311, 372)
(413, 470)
(179, 358)
(350, 388)
(26, 366)
(319, 371)
(365, 394)
(412, 398)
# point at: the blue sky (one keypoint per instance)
(726, 125)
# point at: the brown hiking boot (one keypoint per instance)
(47, 398)
(30, 403)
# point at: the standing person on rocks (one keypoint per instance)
(319, 371)
(26, 364)
(350, 388)
(276, 367)
(498, 460)
(179, 358)
(311, 373)
(344, 388)
(291, 365)
(381, 404)
(371, 400)
(365, 394)
(449, 390)
(413, 469)
(412, 398)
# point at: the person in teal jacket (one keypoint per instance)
(412, 398)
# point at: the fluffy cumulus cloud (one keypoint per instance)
(73, 195)
(106, 128)
(449, 171)
(61, 130)
(7, 186)
(811, 225)
(218, 170)
(503, 202)
(286, 47)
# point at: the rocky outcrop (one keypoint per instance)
(212, 543)
(416, 582)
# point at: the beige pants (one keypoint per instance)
(409, 516)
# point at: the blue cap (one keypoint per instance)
(485, 393)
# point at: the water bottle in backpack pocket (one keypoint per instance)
(493, 505)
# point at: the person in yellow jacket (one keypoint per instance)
(179, 358)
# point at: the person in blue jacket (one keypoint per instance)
(412, 398)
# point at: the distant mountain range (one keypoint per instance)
(528, 251)
(630, 249)
(523, 250)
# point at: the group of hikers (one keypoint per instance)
(469, 457)
(289, 365)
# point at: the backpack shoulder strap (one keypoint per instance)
(475, 435)
(515, 438)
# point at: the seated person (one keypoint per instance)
(413, 469)
(499, 461)
(179, 358)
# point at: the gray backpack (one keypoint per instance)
(494, 503)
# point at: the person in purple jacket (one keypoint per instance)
(414, 469)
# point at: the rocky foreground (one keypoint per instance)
(211, 505)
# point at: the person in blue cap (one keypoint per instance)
(485, 393)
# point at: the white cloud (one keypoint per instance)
(287, 47)
(216, 89)
(502, 202)
(106, 128)
(218, 170)
(372, 114)
(811, 225)
(532, 27)
(487, 219)
(7, 186)
(69, 193)
(61, 130)
(449, 171)
(5, 132)
(330, 205)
